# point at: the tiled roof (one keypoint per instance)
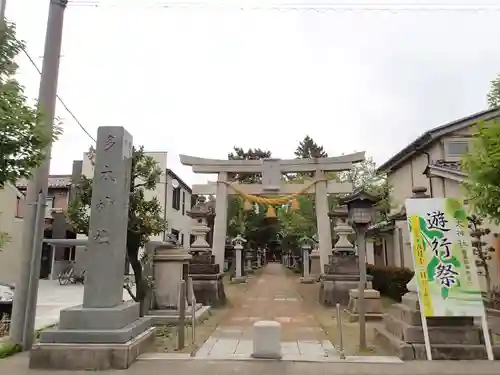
(55, 181)
(451, 165)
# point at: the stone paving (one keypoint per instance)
(272, 296)
(52, 298)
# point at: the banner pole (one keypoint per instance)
(427, 341)
(487, 340)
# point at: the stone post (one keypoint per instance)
(370, 251)
(238, 254)
(315, 258)
(306, 246)
(248, 261)
(170, 267)
(109, 332)
(220, 222)
(323, 221)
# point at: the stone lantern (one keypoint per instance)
(343, 231)
(306, 246)
(203, 271)
(200, 215)
(239, 245)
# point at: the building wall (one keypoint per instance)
(13, 225)
(176, 219)
(410, 175)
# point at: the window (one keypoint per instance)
(70, 253)
(456, 149)
(182, 239)
(176, 198)
(19, 207)
(183, 202)
(175, 232)
(49, 202)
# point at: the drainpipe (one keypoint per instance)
(165, 207)
(431, 190)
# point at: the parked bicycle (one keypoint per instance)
(69, 276)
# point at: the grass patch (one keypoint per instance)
(8, 349)
(166, 336)
(327, 320)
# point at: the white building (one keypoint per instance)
(174, 196)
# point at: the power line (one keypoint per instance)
(277, 6)
(58, 97)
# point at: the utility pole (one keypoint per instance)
(3, 5)
(24, 309)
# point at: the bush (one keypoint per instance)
(390, 281)
(7, 349)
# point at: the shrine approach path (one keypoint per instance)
(271, 295)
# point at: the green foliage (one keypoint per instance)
(309, 149)
(4, 239)
(252, 225)
(144, 217)
(482, 165)
(482, 252)
(8, 349)
(390, 281)
(251, 154)
(364, 176)
(494, 94)
(23, 136)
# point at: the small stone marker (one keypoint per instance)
(267, 340)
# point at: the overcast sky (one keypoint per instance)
(198, 81)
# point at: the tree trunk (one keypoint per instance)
(140, 283)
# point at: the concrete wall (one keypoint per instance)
(9, 223)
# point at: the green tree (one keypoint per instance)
(364, 175)
(480, 248)
(494, 94)
(482, 165)
(307, 149)
(144, 216)
(253, 225)
(23, 136)
(251, 154)
(4, 239)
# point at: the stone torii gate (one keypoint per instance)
(273, 184)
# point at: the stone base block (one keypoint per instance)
(308, 280)
(96, 336)
(239, 280)
(209, 289)
(369, 317)
(406, 351)
(373, 305)
(165, 317)
(267, 340)
(93, 357)
(405, 313)
(78, 317)
(333, 292)
(438, 335)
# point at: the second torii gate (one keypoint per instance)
(273, 184)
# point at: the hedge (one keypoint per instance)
(390, 281)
